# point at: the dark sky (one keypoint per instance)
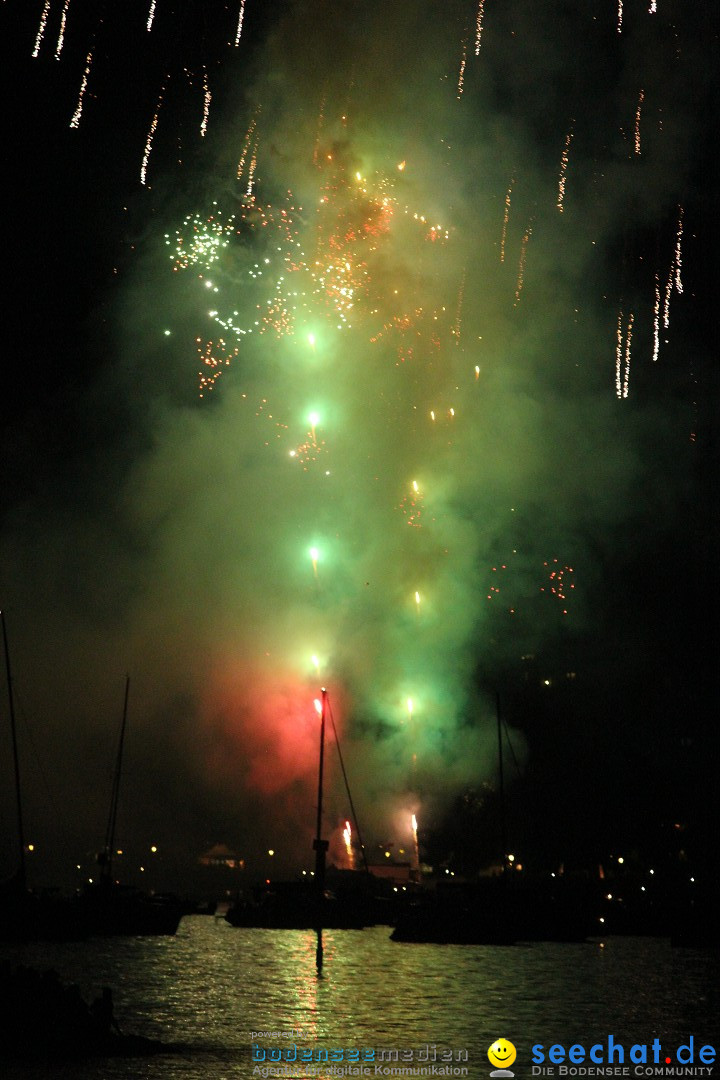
(147, 530)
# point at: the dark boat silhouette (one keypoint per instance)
(306, 905)
(107, 907)
(25, 914)
(29, 915)
(295, 905)
(506, 907)
(503, 910)
(110, 909)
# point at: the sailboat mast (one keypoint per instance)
(114, 798)
(321, 845)
(501, 778)
(13, 728)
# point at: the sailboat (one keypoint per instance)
(307, 904)
(26, 915)
(109, 908)
(504, 908)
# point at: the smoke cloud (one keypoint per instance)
(419, 286)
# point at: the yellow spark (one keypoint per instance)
(61, 32)
(563, 171)
(656, 319)
(461, 75)
(41, 29)
(207, 98)
(637, 121)
(678, 252)
(241, 16)
(506, 217)
(75, 121)
(479, 26)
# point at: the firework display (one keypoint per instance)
(421, 347)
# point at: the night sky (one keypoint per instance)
(436, 433)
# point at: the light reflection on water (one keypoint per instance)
(207, 988)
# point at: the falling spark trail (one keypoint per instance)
(241, 16)
(656, 319)
(207, 98)
(668, 293)
(622, 378)
(521, 267)
(246, 144)
(461, 75)
(61, 33)
(458, 313)
(563, 171)
(637, 121)
(151, 15)
(506, 218)
(678, 252)
(653, 7)
(479, 26)
(150, 137)
(41, 29)
(75, 121)
(628, 344)
(253, 166)
(620, 16)
(675, 271)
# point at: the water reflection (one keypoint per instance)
(209, 987)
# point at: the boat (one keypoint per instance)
(503, 910)
(506, 907)
(304, 905)
(26, 914)
(109, 908)
(296, 905)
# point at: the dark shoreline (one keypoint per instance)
(48, 1021)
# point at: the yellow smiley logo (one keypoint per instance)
(502, 1053)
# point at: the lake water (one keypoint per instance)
(206, 989)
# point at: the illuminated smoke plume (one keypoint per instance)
(404, 448)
